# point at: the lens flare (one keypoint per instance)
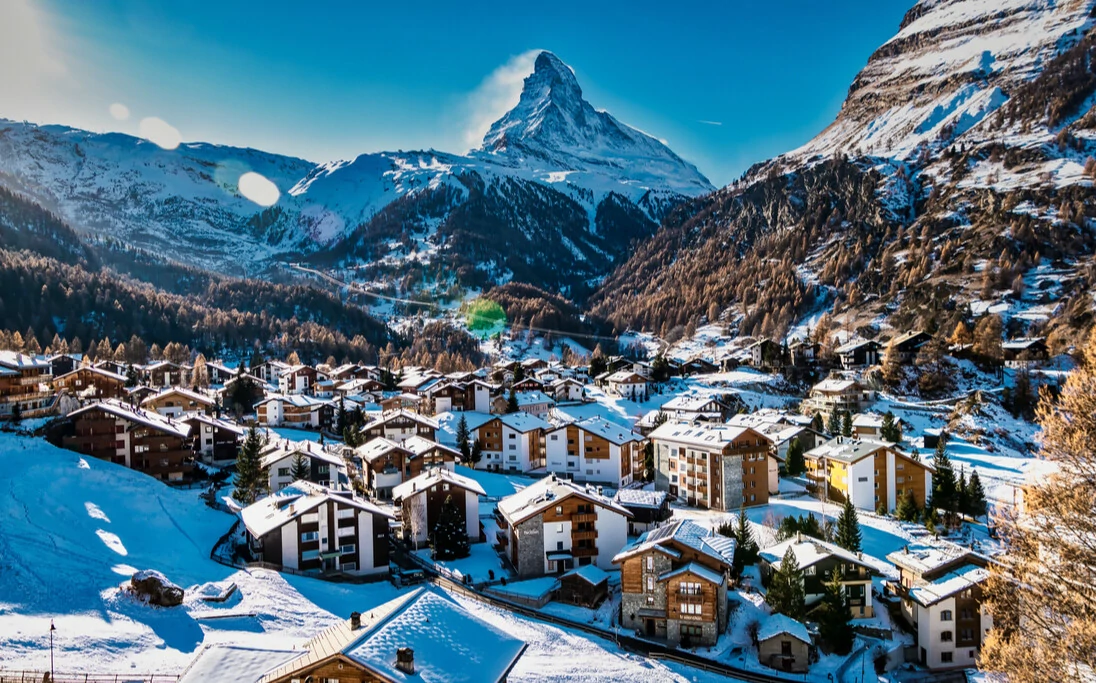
(119, 111)
(258, 189)
(160, 132)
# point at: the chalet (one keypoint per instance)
(698, 366)
(835, 394)
(908, 345)
(398, 425)
(269, 371)
(867, 472)
(566, 390)
(91, 383)
(176, 401)
(311, 529)
(25, 382)
(803, 352)
(410, 638)
(765, 354)
(626, 384)
(594, 450)
(142, 440)
(295, 410)
(220, 373)
(649, 509)
(401, 401)
(359, 387)
(533, 402)
(554, 525)
(784, 644)
(64, 363)
(114, 366)
(781, 429)
(353, 371)
(446, 396)
(217, 441)
(385, 464)
(528, 384)
(512, 443)
(420, 499)
(817, 560)
(674, 582)
(941, 587)
(709, 408)
(298, 379)
(713, 466)
(416, 383)
(166, 374)
(322, 466)
(859, 353)
(1025, 353)
(586, 586)
(870, 425)
(426, 454)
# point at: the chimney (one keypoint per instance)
(405, 660)
(355, 621)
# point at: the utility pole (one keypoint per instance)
(52, 628)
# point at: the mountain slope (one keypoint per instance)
(952, 183)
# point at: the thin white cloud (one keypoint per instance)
(710, 123)
(496, 95)
(119, 111)
(27, 55)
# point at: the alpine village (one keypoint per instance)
(559, 409)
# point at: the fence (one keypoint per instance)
(42, 676)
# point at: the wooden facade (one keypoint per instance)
(88, 382)
(138, 442)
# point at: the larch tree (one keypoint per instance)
(200, 373)
(1040, 592)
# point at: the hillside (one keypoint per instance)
(952, 183)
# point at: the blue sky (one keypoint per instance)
(327, 80)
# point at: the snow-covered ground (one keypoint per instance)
(75, 528)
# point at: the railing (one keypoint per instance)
(7, 676)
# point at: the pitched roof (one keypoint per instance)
(523, 422)
(436, 475)
(809, 551)
(836, 386)
(590, 573)
(20, 361)
(929, 556)
(782, 624)
(148, 418)
(299, 498)
(216, 422)
(949, 584)
(641, 498)
(377, 448)
(193, 396)
(418, 445)
(283, 448)
(696, 569)
(688, 533)
(235, 663)
(94, 370)
(389, 415)
(703, 435)
(546, 493)
(425, 621)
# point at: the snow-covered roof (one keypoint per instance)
(688, 403)
(377, 448)
(296, 400)
(94, 370)
(389, 415)
(696, 569)
(532, 398)
(870, 420)
(216, 422)
(14, 360)
(610, 431)
(235, 664)
(847, 449)
(641, 498)
(283, 448)
(809, 551)
(590, 573)
(179, 391)
(928, 556)
(1022, 344)
(448, 421)
(783, 625)
(703, 435)
(854, 345)
(148, 418)
(450, 644)
(299, 498)
(688, 533)
(548, 492)
(436, 475)
(949, 584)
(419, 445)
(836, 386)
(523, 422)
(625, 376)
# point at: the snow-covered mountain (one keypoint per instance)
(611, 182)
(956, 180)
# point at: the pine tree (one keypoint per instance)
(512, 402)
(944, 493)
(833, 424)
(449, 538)
(299, 469)
(251, 481)
(648, 461)
(834, 617)
(794, 464)
(477, 452)
(907, 507)
(976, 496)
(962, 491)
(848, 528)
(816, 422)
(463, 439)
(340, 417)
(746, 549)
(891, 430)
(786, 593)
(846, 424)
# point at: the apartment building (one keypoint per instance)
(25, 382)
(594, 450)
(140, 439)
(715, 466)
(869, 473)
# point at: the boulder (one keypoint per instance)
(155, 589)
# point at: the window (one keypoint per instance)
(559, 545)
(283, 471)
(945, 615)
(310, 555)
(689, 630)
(650, 562)
(650, 584)
(966, 613)
(310, 536)
(559, 509)
(348, 549)
(687, 588)
(555, 437)
(862, 479)
(945, 657)
(945, 636)
(786, 648)
(559, 528)
(513, 447)
(323, 469)
(809, 571)
(692, 609)
(348, 566)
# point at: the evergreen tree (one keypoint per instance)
(944, 493)
(962, 490)
(131, 377)
(892, 365)
(848, 528)
(891, 430)
(16, 413)
(846, 424)
(648, 461)
(907, 507)
(833, 424)
(477, 452)
(746, 550)
(786, 593)
(794, 464)
(251, 481)
(816, 422)
(598, 363)
(299, 469)
(834, 617)
(512, 402)
(463, 439)
(340, 417)
(976, 496)
(449, 538)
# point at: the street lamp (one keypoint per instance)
(52, 628)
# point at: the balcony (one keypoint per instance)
(690, 597)
(583, 552)
(583, 517)
(589, 534)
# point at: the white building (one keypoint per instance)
(324, 468)
(594, 450)
(311, 529)
(419, 501)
